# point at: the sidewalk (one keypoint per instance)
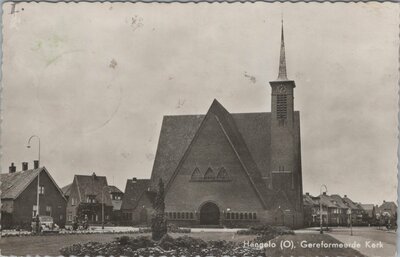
(388, 250)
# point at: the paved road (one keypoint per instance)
(374, 242)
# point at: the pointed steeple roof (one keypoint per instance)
(282, 75)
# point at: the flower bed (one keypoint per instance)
(167, 246)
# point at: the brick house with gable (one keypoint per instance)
(19, 197)
(87, 194)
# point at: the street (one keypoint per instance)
(373, 242)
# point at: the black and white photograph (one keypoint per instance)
(199, 129)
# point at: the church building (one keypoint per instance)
(234, 169)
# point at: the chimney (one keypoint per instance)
(134, 180)
(307, 193)
(384, 201)
(12, 168)
(94, 175)
(24, 166)
(324, 193)
(345, 196)
(36, 164)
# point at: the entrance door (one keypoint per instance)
(209, 214)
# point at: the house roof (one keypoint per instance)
(351, 204)
(13, 184)
(339, 201)
(134, 190)
(248, 133)
(114, 189)
(368, 207)
(309, 200)
(387, 206)
(93, 185)
(67, 189)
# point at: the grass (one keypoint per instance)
(50, 245)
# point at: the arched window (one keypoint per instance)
(187, 216)
(241, 216)
(196, 175)
(179, 215)
(236, 215)
(174, 215)
(209, 175)
(254, 216)
(222, 174)
(245, 216)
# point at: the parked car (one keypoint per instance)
(44, 224)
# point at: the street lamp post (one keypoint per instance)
(102, 207)
(38, 176)
(320, 206)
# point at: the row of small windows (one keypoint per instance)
(210, 174)
(179, 215)
(228, 215)
(241, 216)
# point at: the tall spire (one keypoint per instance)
(282, 59)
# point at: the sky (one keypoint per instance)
(94, 81)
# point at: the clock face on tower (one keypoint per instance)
(281, 89)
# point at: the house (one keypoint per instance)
(387, 212)
(88, 198)
(234, 169)
(116, 199)
(311, 210)
(19, 195)
(356, 211)
(137, 204)
(369, 213)
(344, 215)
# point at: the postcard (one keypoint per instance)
(199, 129)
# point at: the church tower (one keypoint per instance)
(283, 169)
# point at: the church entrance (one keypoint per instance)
(209, 214)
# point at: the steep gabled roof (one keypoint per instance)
(236, 141)
(93, 185)
(13, 184)
(134, 190)
(351, 204)
(309, 200)
(66, 189)
(339, 201)
(387, 206)
(114, 189)
(248, 133)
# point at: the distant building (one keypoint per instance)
(369, 213)
(387, 211)
(336, 211)
(137, 205)
(311, 210)
(116, 199)
(66, 190)
(356, 211)
(19, 197)
(88, 194)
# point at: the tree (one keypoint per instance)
(158, 222)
